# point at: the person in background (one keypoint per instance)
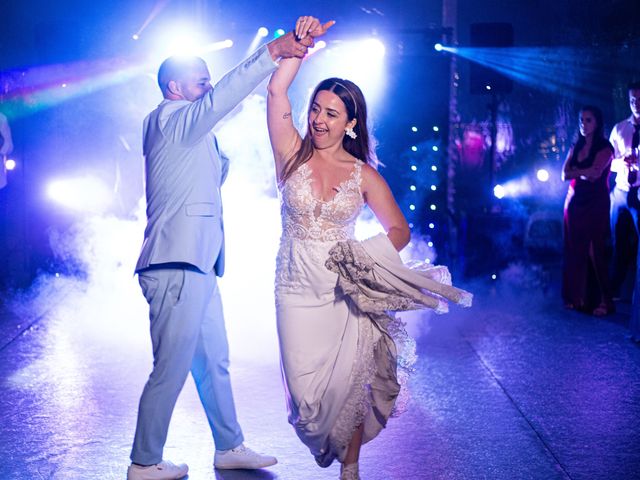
(625, 138)
(586, 217)
(6, 147)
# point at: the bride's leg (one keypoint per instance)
(349, 468)
(353, 451)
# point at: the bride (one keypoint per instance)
(338, 362)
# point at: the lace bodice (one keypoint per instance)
(305, 217)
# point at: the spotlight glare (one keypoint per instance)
(10, 164)
(543, 175)
(376, 47)
(438, 47)
(263, 32)
(86, 194)
(499, 191)
(135, 36)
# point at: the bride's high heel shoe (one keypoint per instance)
(349, 472)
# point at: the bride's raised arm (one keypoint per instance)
(285, 139)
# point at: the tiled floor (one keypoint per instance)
(513, 388)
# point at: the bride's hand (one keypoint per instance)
(311, 26)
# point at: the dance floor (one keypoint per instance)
(513, 388)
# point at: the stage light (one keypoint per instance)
(412, 207)
(414, 168)
(499, 191)
(543, 175)
(438, 47)
(488, 87)
(410, 225)
(494, 276)
(436, 128)
(434, 188)
(375, 47)
(86, 194)
(433, 207)
(10, 164)
(64, 85)
(212, 47)
(179, 40)
(432, 225)
(414, 148)
(434, 168)
(430, 244)
(412, 188)
(435, 148)
(361, 61)
(414, 129)
(257, 39)
(278, 33)
(135, 36)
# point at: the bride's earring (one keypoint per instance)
(350, 133)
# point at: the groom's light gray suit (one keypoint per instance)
(182, 253)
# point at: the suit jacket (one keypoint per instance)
(184, 170)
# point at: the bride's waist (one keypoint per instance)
(316, 233)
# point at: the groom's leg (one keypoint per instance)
(175, 310)
(210, 369)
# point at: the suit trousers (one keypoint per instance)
(187, 334)
(623, 204)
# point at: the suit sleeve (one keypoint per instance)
(191, 123)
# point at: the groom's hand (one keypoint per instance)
(287, 46)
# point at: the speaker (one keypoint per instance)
(487, 35)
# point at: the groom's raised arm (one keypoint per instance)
(192, 122)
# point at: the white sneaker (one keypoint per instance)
(241, 457)
(164, 470)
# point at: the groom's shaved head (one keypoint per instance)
(177, 68)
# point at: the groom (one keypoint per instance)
(183, 253)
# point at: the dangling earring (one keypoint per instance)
(350, 133)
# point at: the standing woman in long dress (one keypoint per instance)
(326, 344)
(586, 216)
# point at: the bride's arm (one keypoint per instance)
(378, 196)
(285, 139)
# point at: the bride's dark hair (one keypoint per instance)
(362, 147)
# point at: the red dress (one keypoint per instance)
(585, 281)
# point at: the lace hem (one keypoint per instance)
(358, 402)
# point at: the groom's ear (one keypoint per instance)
(173, 88)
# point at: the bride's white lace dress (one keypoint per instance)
(338, 364)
